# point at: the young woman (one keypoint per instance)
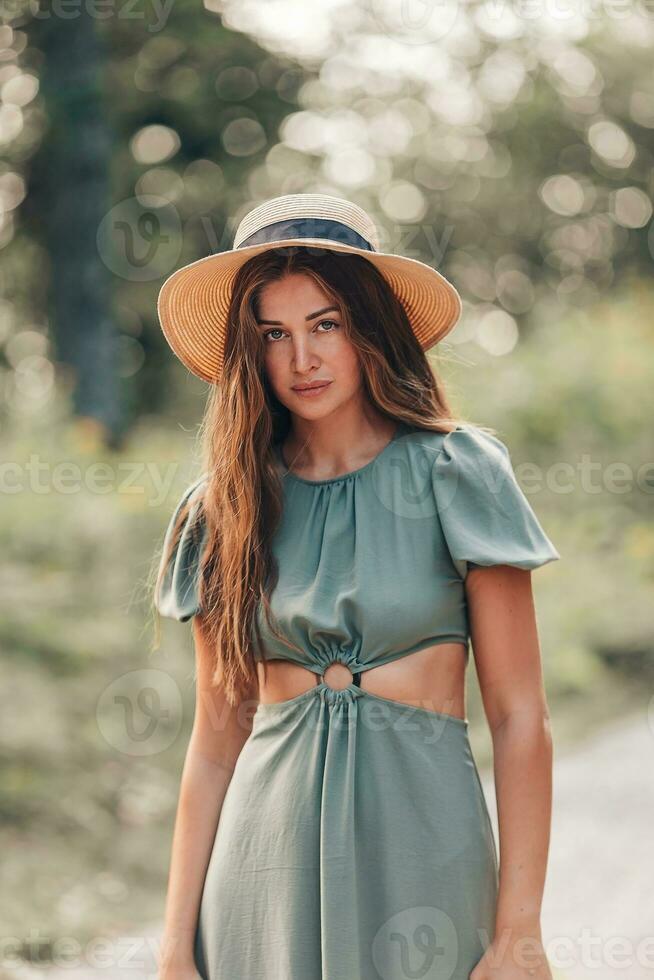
(347, 540)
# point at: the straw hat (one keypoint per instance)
(193, 301)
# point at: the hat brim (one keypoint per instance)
(194, 301)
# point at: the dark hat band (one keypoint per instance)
(307, 228)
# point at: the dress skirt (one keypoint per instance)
(354, 843)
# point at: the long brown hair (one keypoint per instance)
(241, 502)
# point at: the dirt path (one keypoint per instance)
(598, 908)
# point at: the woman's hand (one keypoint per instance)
(179, 972)
(514, 955)
(176, 960)
(178, 968)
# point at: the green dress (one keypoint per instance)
(354, 841)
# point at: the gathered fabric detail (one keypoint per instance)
(344, 695)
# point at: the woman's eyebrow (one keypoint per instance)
(310, 316)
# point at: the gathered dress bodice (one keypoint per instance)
(372, 564)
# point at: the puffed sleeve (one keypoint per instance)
(177, 594)
(485, 516)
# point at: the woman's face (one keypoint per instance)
(305, 343)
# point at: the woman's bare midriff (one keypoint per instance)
(432, 679)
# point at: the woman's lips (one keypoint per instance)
(312, 392)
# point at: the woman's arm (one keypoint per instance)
(218, 735)
(507, 655)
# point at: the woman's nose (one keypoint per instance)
(303, 357)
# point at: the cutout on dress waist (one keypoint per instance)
(356, 685)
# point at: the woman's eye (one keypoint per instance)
(270, 339)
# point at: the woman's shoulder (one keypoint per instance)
(485, 515)
(471, 460)
(193, 493)
(464, 442)
(176, 594)
(465, 462)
